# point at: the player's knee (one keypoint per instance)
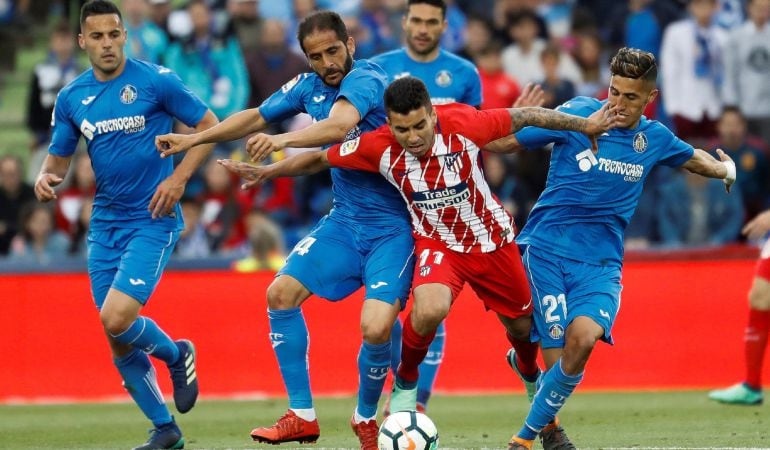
(427, 319)
(114, 324)
(282, 295)
(376, 331)
(759, 298)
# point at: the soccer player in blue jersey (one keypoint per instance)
(365, 240)
(572, 245)
(449, 78)
(119, 106)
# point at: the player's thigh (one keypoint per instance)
(434, 263)
(104, 255)
(389, 266)
(144, 258)
(499, 280)
(549, 297)
(327, 261)
(594, 292)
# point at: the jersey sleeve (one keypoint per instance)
(480, 126)
(285, 102)
(358, 153)
(533, 138)
(64, 133)
(178, 100)
(362, 89)
(678, 153)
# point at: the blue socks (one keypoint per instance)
(395, 344)
(373, 366)
(429, 366)
(139, 380)
(555, 389)
(146, 335)
(289, 336)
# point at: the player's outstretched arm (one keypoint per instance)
(704, 164)
(171, 189)
(303, 164)
(234, 127)
(758, 226)
(51, 175)
(342, 118)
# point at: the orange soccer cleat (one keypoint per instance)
(289, 428)
(366, 432)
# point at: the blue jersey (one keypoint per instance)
(358, 196)
(589, 199)
(449, 78)
(119, 120)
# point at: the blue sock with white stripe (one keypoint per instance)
(429, 366)
(555, 389)
(140, 381)
(146, 335)
(395, 344)
(289, 336)
(373, 366)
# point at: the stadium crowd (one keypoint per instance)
(714, 58)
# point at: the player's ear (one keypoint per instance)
(351, 45)
(653, 94)
(81, 41)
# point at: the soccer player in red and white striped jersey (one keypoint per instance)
(462, 232)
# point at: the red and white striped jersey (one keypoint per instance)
(449, 200)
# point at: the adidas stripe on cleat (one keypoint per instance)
(184, 377)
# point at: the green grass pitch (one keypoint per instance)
(592, 420)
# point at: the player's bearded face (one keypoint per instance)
(103, 37)
(631, 96)
(329, 57)
(414, 131)
(423, 26)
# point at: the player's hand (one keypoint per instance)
(532, 95)
(169, 144)
(166, 196)
(44, 186)
(255, 175)
(600, 122)
(758, 226)
(729, 179)
(261, 145)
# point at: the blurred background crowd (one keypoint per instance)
(714, 58)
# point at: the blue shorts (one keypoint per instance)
(130, 260)
(563, 289)
(336, 258)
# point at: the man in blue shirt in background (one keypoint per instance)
(119, 107)
(572, 245)
(365, 240)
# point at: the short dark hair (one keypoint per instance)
(406, 95)
(734, 110)
(98, 8)
(321, 21)
(437, 3)
(634, 63)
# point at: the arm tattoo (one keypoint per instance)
(545, 118)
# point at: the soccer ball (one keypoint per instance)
(407, 430)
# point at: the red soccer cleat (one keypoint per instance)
(289, 428)
(366, 432)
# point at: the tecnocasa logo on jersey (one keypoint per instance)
(128, 124)
(630, 172)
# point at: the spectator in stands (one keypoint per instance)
(265, 243)
(750, 160)
(78, 241)
(210, 64)
(376, 34)
(247, 24)
(512, 192)
(70, 201)
(223, 206)
(48, 77)
(38, 241)
(145, 40)
(14, 193)
(159, 12)
(453, 39)
(696, 211)
(193, 241)
(478, 35)
(272, 63)
(691, 71)
(590, 57)
(557, 89)
(747, 69)
(498, 89)
(521, 59)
